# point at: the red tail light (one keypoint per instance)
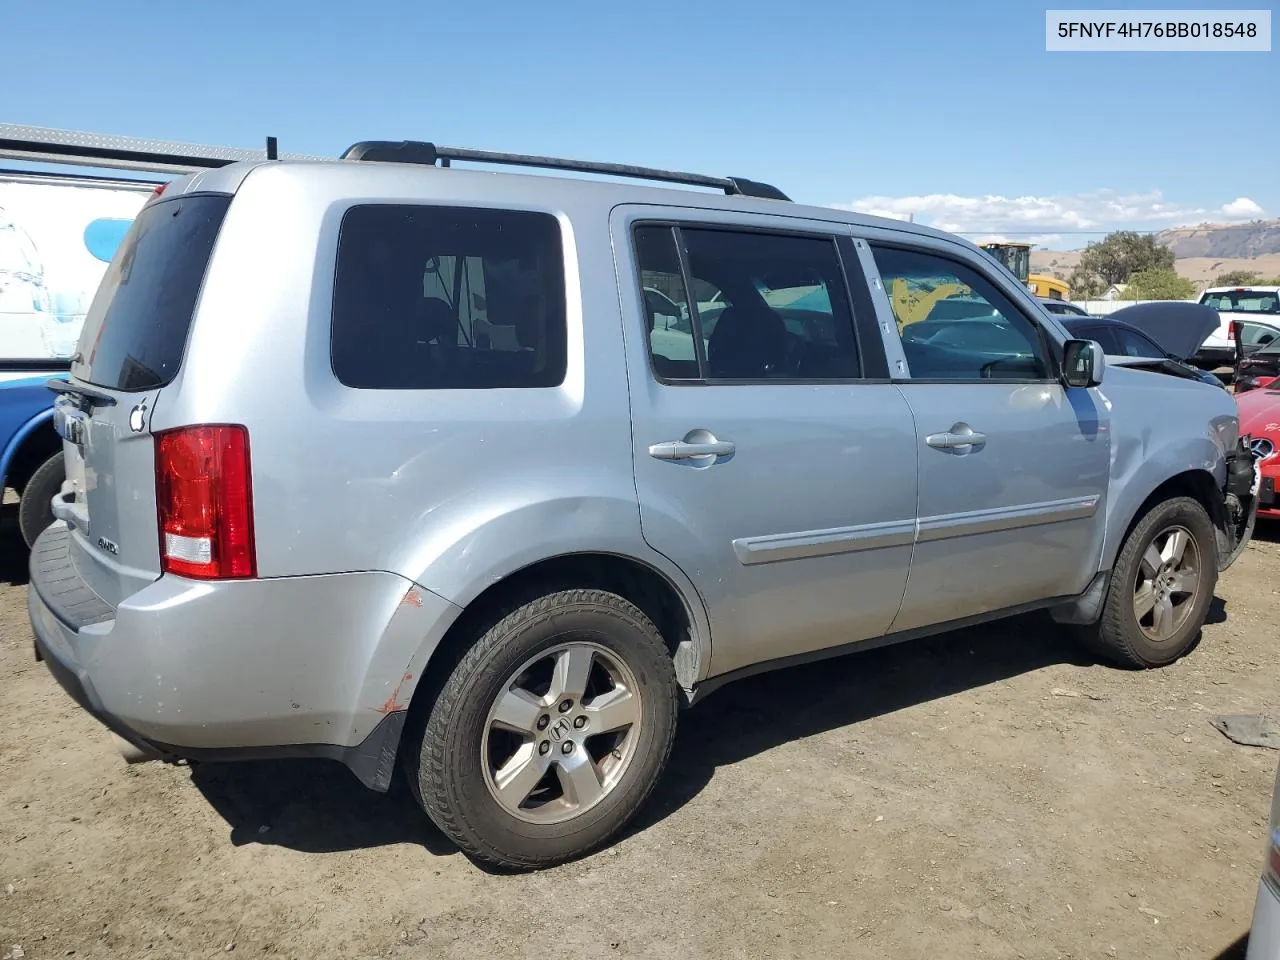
(204, 497)
(1233, 329)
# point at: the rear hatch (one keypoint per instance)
(130, 350)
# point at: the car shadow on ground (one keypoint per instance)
(317, 806)
(13, 552)
(1236, 951)
(313, 806)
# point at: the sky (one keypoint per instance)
(948, 111)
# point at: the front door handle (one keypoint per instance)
(687, 449)
(959, 436)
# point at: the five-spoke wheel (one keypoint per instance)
(1168, 577)
(561, 733)
(1161, 586)
(550, 732)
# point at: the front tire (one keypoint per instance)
(551, 731)
(1161, 587)
(35, 507)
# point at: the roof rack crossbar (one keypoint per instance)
(424, 152)
(44, 145)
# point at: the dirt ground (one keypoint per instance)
(985, 794)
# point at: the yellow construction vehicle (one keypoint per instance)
(912, 300)
(1017, 259)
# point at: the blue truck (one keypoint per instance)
(31, 464)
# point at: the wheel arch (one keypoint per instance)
(27, 449)
(1197, 483)
(674, 607)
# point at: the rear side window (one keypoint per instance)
(136, 329)
(436, 297)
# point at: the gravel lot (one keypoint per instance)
(991, 793)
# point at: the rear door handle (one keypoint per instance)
(954, 438)
(683, 449)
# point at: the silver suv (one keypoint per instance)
(486, 475)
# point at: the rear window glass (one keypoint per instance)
(1244, 301)
(436, 297)
(136, 329)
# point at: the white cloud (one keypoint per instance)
(1044, 220)
(1242, 208)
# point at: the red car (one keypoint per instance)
(1260, 419)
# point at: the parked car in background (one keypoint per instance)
(57, 234)
(1258, 346)
(1152, 331)
(463, 512)
(1235, 305)
(31, 461)
(1260, 421)
(1063, 308)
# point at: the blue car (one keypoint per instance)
(31, 462)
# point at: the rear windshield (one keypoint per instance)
(1244, 301)
(136, 328)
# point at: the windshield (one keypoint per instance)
(1243, 301)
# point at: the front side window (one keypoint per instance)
(432, 297)
(752, 305)
(955, 323)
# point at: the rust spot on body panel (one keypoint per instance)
(392, 703)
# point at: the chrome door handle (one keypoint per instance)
(683, 450)
(953, 439)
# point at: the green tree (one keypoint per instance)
(1118, 256)
(1085, 286)
(1236, 278)
(1158, 285)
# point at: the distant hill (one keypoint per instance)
(1203, 252)
(1219, 240)
(1201, 270)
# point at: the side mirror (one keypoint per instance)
(1082, 363)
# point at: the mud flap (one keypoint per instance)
(1086, 608)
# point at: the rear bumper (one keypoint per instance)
(372, 760)
(253, 669)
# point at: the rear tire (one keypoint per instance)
(550, 733)
(35, 509)
(1161, 587)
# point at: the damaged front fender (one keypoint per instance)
(1239, 503)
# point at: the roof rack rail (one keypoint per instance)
(429, 154)
(45, 145)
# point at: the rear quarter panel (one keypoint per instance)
(450, 489)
